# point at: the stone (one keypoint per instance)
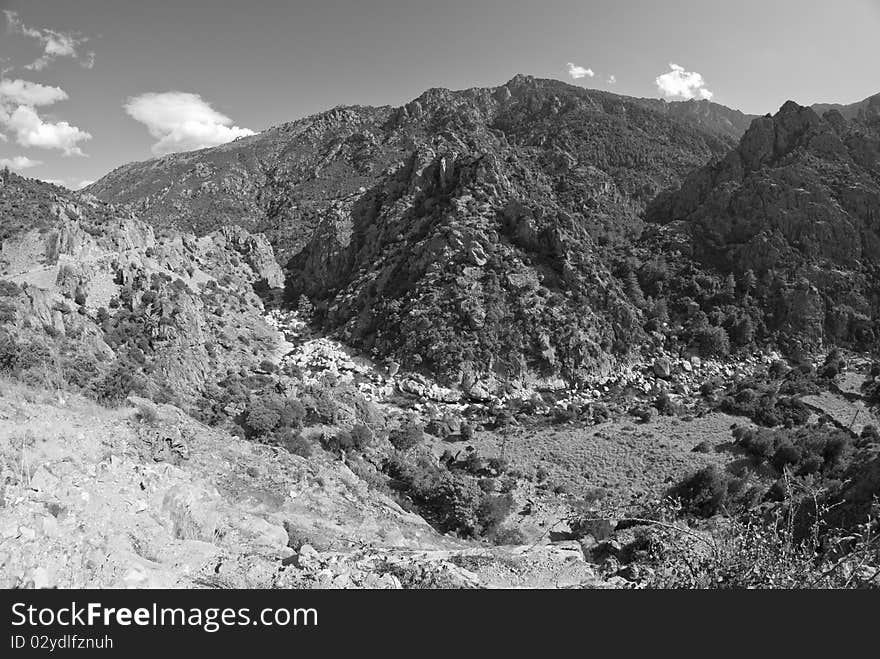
(41, 578)
(662, 367)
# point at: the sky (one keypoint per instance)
(88, 85)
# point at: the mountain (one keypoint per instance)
(463, 231)
(283, 180)
(862, 109)
(705, 115)
(795, 207)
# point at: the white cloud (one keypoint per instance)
(612, 80)
(19, 162)
(577, 72)
(18, 102)
(70, 184)
(24, 92)
(182, 122)
(681, 84)
(55, 43)
(31, 130)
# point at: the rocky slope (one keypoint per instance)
(792, 213)
(96, 498)
(91, 297)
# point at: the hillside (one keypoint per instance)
(92, 298)
(792, 214)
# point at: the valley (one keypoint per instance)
(530, 335)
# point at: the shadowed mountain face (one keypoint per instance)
(796, 203)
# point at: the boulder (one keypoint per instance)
(662, 368)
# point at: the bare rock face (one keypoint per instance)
(256, 251)
(122, 309)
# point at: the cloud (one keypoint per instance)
(70, 184)
(18, 102)
(577, 72)
(182, 121)
(31, 130)
(55, 43)
(19, 162)
(24, 92)
(681, 84)
(612, 80)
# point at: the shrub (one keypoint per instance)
(406, 437)
(123, 379)
(664, 405)
(450, 501)
(870, 434)
(361, 437)
(705, 492)
(292, 413)
(16, 356)
(509, 535)
(356, 439)
(261, 419)
(295, 443)
(712, 342)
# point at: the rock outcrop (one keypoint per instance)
(119, 307)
